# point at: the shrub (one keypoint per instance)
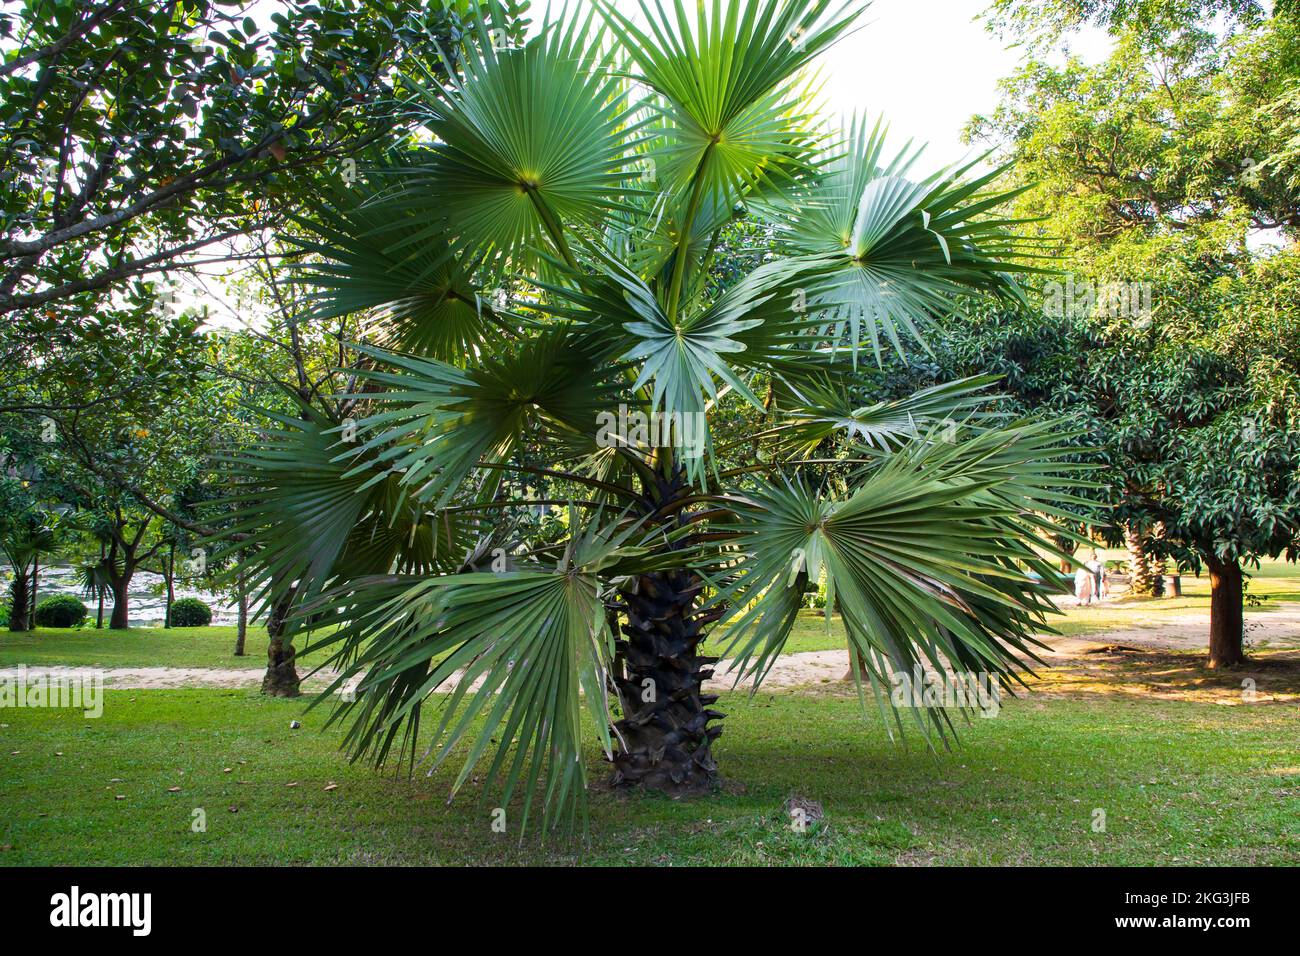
(63, 610)
(191, 612)
(4, 614)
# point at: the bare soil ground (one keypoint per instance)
(1163, 657)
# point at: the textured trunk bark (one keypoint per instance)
(171, 586)
(241, 632)
(664, 739)
(36, 584)
(20, 601)
(1139, 562)
(120, 619)
(99, 615)
(1226, 621)
(281, 678)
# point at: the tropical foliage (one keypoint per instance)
(539, 265)
(1159, 169)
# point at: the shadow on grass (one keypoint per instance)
(1116, 669)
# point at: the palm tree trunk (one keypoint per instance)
(1156, 565)
(19, 601)
(664, 738)
(1139, 562)
(36, 583)
(1227, 622)
(281, 679)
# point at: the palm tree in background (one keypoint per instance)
(539, 274)
(24, 540)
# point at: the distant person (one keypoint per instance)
(1085, 585)
(1100, 586)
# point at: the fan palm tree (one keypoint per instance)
(592, 174)
(96, 581)
(23, 542)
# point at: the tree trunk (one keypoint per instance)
(1069, 546)
(120, 619)
(1156, 565)
(36, 583)
(1226, 622)
(281, 678)
(20, 601)
(664, 739)
(1139, 562)
(171, 586)
(241, 631)
(99, 617)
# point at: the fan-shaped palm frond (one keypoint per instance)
(436, 423)
(419, 295)
(725, 83)
(517, 653)
(897, 250)
(94, 579)
(525, 140)
(930, 560)
(821, 409)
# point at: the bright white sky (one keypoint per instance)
(927, 66)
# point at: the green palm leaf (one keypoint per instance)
(518, 654)
(899, 251)
(726, 86)
(526, 140)
(930, 560)
(372, 256)
(435, 423)
(820, 409)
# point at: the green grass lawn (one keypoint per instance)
(1180, 783)
(139, 647)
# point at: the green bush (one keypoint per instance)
(191, 612)
(4, 615)
(63, 610)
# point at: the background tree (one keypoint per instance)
(1177, 247)
(137, 137)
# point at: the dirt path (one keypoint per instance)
(161, 678)
(1073, 660)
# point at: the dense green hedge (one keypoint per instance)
(63, 610)
(191, 612)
